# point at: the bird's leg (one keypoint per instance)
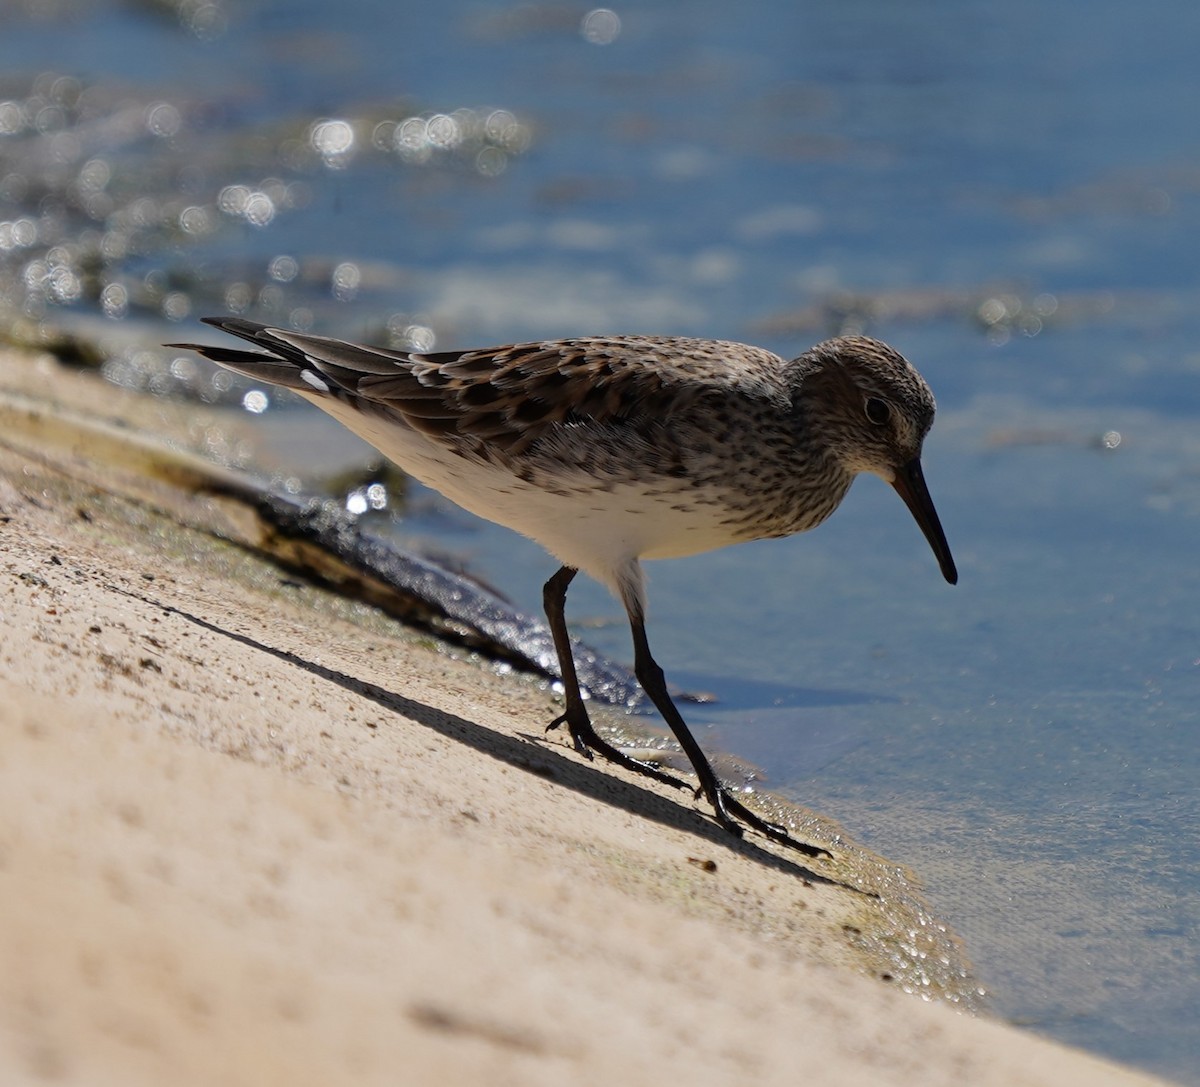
(579, 724)
(726, 807)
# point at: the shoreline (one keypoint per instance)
(254, 833)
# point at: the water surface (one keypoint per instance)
(1009, 194)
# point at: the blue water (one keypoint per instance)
(1017, 189)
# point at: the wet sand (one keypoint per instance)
(254, 833)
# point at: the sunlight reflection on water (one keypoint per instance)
(451, 175)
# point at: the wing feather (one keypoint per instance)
(507, 399)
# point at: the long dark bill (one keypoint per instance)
(910, 485)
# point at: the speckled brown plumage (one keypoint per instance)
(613, 449)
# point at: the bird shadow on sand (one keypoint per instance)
(534, 754)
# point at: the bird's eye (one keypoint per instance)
(878, 411)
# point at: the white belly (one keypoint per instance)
(599, 529)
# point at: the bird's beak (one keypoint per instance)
(910, 485)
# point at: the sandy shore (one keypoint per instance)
(252, 833)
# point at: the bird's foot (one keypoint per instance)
(729, 810)
(588, 742)
(730, 813)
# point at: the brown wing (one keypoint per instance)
(507, 398)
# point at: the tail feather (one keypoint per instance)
(283, 365)
(287, 356)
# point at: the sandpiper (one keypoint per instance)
(608, 450)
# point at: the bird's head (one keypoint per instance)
(872, 410)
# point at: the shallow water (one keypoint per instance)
(1010, 195)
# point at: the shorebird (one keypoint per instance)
(608, 450)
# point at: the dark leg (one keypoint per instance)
(579, 724)
(726, 807)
